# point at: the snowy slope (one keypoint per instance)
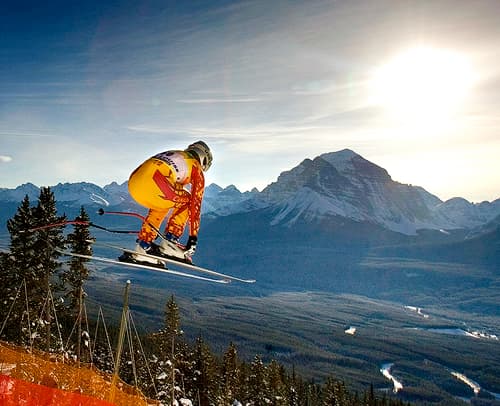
(220, 202)
(459, 212)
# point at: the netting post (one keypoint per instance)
(121, 337)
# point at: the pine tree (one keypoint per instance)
(258, 385)
(293, 389)
(18, 272)
(11, 299)
(335, 393)
(171, 351)
(47, 240)
(75, 276)
(369, 397)
(204, 383)
(277, 384)
(229, 376)
(315, 393)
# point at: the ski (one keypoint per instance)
(169, 261)
(223, 278)
(141, 266)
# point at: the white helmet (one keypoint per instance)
(202, 152)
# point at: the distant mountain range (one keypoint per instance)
(331, 186)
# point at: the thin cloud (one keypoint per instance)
(214, 101)
(150, 129)
(23, 134)
(234, 133)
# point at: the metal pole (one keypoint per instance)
(121, 337)
(79, 339)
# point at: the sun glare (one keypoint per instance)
(423, 85)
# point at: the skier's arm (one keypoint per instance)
(197, 191)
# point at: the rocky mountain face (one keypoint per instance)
(331, 186)
(345, 185)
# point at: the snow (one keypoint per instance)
(314, 205)
(417, 310)
(482, 334)
(341, 160)
(386, 371)
(98, 199)
(460, 332)
(474, 385)
(5, 369)
(183, 402)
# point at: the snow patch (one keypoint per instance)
(386, 371)
(341, 160)
(98, 199)
(417, 310)
(474, 385)
(5, 369)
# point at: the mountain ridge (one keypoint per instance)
(333, 184)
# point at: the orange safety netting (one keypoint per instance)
(14, 392)
(35, 378)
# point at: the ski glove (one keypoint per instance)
(191, 245)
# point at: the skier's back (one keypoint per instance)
(170, 182)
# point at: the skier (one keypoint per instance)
(171, 182)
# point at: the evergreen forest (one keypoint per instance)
(42, 307)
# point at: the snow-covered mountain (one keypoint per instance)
(333, 185)
(344, 184)
(458, 212)
(218, 201)
(18, 194)
(347, 185)
(82, 193)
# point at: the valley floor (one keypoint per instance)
(434, 352)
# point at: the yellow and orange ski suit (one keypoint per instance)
(161, 185)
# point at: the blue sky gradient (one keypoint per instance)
(89, 90)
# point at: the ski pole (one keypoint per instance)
(101, 212)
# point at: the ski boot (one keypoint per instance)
(138, 257)
(171, 248)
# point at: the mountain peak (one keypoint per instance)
(339, 157)
(231, 188)
(347, 162)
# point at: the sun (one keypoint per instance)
(423, 85)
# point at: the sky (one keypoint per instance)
(89, 90)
